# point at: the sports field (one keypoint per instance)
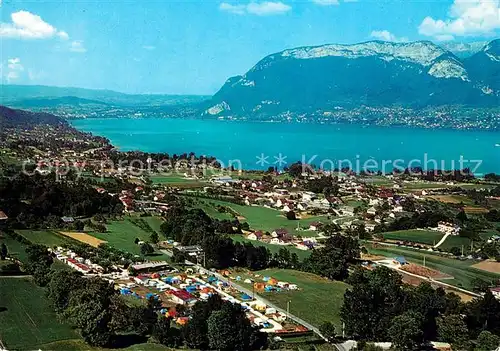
(462, 271)
(27, 319)
(317, 300)
(428, 237)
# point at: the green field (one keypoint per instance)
(428, 237)
(273, 248)
(80, 345)
(45, 237)
(29, 320)
(462, 272)
(268, 219)
(317, 300)
(15, 248)
(121, 235)
(177, 181)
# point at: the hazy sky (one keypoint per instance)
(153, 46)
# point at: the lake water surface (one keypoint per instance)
(246, 141)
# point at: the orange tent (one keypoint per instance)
(259, 286)
(272, 281)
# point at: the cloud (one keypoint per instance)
(265, 8)
(14, 69)
(326, 2)
(387, 36)
(148, 47)
(26, 25)
(77, 46)
(465, 18)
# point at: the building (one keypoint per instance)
(255, 236)
(448, 228)
(181, 297)
(401, 260)
(3, 216)
(496, 292)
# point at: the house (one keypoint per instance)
(315, 226)
(181, 297)
(278, 233)
(256, 235)
(3, 216)
(448, 228)
(496, 292)
(67, 219)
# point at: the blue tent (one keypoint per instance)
(401, 260)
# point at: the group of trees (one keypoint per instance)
(379, 307)
(40, 201)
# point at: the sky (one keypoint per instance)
(194, 46)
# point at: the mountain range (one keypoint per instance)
(321, 78)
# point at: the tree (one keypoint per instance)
(462, 216)
(165, 334)
(154, 238)
(38, 263)
(229, 328)
(480, 285)
(456, 251)
(147, 249)
(328, 330)
(486, 341)
(62, 283)
(375, 296)
(79, 225)
(332, 261)
(452, 329)
(90, 309)
(3, 251)
(290, 215)
(405, 331)
(483, 314)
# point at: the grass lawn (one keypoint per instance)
(268, 219)
(318, 299)
(177, 180)
(462, 271)
(273, 248)
(210, 209)
(80, 345)
(428, 237)
(15, 248)
(121, 234)
(45, 237)
(28, 321)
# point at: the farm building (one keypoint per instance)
(401, 260)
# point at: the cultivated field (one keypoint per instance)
(462, 271)
(84, 238)
(28, 320)
(489, 266)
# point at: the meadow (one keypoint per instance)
(428, 237)
(122, 234)
(273, 248)
(45, 237)
(317, 300)
(268, 219)
(27, 320)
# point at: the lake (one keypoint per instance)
(258, 145)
